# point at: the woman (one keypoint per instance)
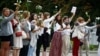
(44, 38)
(66, 35)
(34, 36)
(41, 16)
(56, 43)
(18, 43)
(67, 19)
(26, 26)
(78, 35)
(33, 16)
(6, 31)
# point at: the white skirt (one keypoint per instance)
(65, 45)
(18, 42)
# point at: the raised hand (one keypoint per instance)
(87, 14)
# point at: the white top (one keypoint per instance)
(34, 37)
(78, 28)
(47, 24)
(40, 32)
(18, 43)
(57, 27)
(67, 31)
(82, 27)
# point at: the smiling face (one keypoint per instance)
(6, 12)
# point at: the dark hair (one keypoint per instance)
(59, 21)
(40, 13)
(32, 17)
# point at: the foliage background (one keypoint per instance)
(92, 6)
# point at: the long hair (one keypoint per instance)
(59, 21)
(40, 23)
(32, 17)
(26, 14)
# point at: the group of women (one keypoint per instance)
(26, 33)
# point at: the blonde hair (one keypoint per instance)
(4, 9)
(26, 14)
(39, 22)
(80, 19)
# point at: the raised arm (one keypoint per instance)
(57, 13)
(53, 17)
(92, 27)
(70, 19)
(88, 20)
(11, 16)
(8, 19)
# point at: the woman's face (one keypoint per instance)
(35, 16)
(42, 16)
(58, 17)
(66, 20)
(6, 13)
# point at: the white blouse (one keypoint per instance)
(40, 32)
(47, 24)
(57, 27)
(67, 31)
(34, 37)
(80, 27)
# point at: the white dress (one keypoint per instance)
(66, 41)
(18, 43)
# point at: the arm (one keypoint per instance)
(92, 27)
(53, 17)
(11, 16)
(8, 19)
(88, 20)
(70, 19)
(36, 30)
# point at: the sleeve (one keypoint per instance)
(90, 28)
(50, 19)
(26, 27)
(32, 27)
(8, 19)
